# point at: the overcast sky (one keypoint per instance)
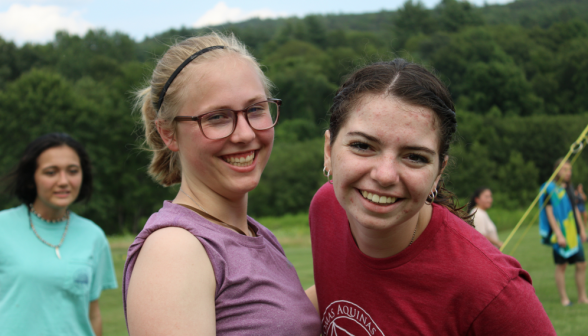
(37, 20)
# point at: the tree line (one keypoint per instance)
(517, 72)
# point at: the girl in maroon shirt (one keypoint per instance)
(387, 260)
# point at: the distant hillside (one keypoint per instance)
(518, 74)
(527, 13)
(541, 13)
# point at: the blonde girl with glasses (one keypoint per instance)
(201, 266)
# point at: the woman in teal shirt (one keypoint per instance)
(53, 263)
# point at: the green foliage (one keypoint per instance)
(512, 155)
(535, 13)
(290, 179)
(412, 19)
(518, 74)
(455, 15)
(516, 181)
(500, 85)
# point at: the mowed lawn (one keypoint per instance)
(293, 234)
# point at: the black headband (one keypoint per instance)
(179, 69)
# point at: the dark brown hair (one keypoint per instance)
(413, 84)
(472, 203)
(21, 180)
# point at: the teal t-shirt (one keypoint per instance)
(41, 294)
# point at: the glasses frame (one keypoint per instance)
(278, 102)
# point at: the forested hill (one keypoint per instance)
(518, 73)
(525, 13)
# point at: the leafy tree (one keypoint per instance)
(517, 180)
(316, 30)
(292, 176)
(573, 76)
(411, 19)
(518, 73)
(8, 67)
(295, 70)
(469, 168)
(455, 15)
(503, 85)
(296, 130)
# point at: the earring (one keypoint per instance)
(327, 174)
(432, 197)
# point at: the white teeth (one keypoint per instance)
(242, 161)
(377, 198)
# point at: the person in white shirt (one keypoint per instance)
(480, 202)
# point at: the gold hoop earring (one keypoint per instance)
(432, 196)
(327, 174)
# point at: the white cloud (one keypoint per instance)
(39, 23)
(221, 13)
(44, 2)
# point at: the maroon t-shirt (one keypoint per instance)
(450, 281)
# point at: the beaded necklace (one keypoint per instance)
(56, 247)
(65, 216)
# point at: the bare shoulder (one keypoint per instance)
(172, 282)
(172, 242)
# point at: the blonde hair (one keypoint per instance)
(165, 167)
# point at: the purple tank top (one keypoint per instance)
(257, 289)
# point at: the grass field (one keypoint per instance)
(292, 231)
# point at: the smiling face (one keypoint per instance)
(384, 161)
(58, 179)
(232, 166)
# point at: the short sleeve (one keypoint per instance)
(515, 311)
(104, 274)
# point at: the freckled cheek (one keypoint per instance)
(350, 169)
(338, 160)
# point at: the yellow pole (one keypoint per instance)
(541, 208)
(578, 142)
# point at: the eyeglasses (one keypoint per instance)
(220, 124)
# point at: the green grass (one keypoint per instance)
(505, 220)
(537, 259)
(293, 233)
(111, 306)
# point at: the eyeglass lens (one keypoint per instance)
(221, 123)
